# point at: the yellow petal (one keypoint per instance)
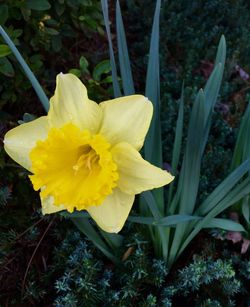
(71, 104)
(19, 141)
(48, 206)
(126, 119)
(136, 174)
(113, 212)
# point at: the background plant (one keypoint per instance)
(51, 31)
(22, 209)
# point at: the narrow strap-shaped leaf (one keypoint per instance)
(223, 188)
(117, 92)
(231, 198)
(150, 200)
(192, 159)
(145, 220)
(173, 208)
(114, 240)
(224, 224)
(221, 52)
(173, 220)
(177, 143)
(211, 93)
(125, 68)
(29, 74)
(190, 172)
(153, 144)
(178, 134)
(212, 86)
(242, 147)
(167, 221)
(84, 226)
(211, 89)
(246, 208)
(176, 219)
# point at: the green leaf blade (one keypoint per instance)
(116, 87)
(127, 79)
(153, 143)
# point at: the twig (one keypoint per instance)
(24, 232)
(17, 238)
(33, 255)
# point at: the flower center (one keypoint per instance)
(74, 167)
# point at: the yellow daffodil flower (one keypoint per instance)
(84, 156)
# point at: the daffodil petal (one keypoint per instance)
(48, 206)
(71, 104)
(19, 141)
(113, 212)
(136, 174)
(126, 119)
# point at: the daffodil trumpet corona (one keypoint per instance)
(85, 156)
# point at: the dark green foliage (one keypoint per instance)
(93, 282)
(143, 281)
(78, 275)
(5, 195)
(206, 277)
(47, 35)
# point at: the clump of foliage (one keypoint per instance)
(208, 278)
(86, 281)
(76, 274)
(144, 281)
(48, 32)
(82, 278)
